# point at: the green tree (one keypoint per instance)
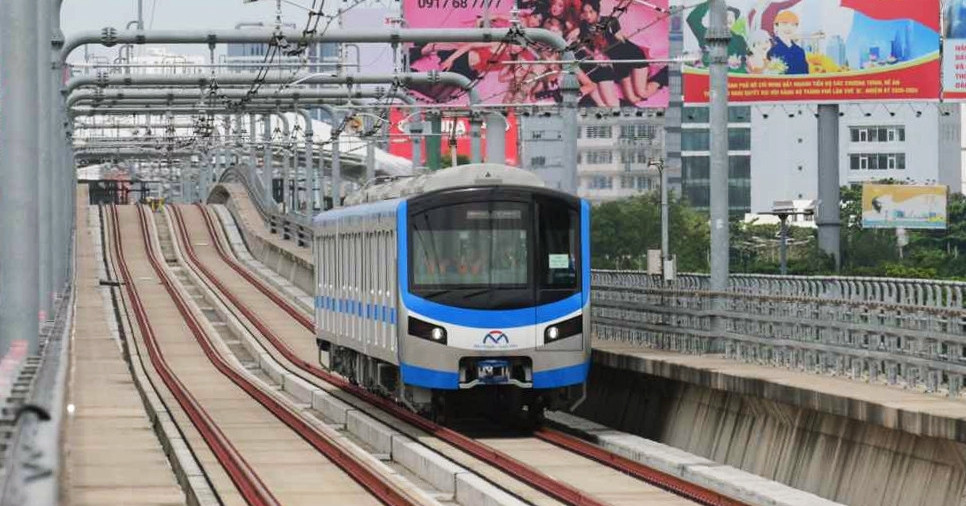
(622, 232)
(446, 158)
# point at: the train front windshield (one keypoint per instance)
(495, 254)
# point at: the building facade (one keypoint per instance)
(695, 157)
(914, 143)
(619, 154)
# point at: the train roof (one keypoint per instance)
(476, 174)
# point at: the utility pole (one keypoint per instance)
(717, 39)
(19, 266)
(665, 241)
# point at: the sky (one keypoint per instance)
(79, 15)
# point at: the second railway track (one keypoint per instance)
(560, 467)
(268, 453)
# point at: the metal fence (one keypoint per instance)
(900, 331)
(907, 332)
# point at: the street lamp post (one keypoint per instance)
(783, 209)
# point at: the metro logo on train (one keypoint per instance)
(496, 337)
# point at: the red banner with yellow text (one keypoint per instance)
(821, 51)
(400, 142)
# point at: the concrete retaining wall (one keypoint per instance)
(838, 458)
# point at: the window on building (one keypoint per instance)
(600, 157)
(635, 182)
(600, 132)
(634, 157)
(878, 133)
(538, 161)
(877, 161)
(739, 139)
(696, 115)
(536, 134)
(599, 183)
(695, 168)
(739, 114)
(695, 139)
(646, 132)
(739, 167)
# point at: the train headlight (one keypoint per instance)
(427, 331)
(564, 329)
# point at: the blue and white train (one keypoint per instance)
(467, 282)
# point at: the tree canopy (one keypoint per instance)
(623, 231)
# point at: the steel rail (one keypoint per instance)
(525, 473)
(576, 445)
(250, 486)
(381, 488)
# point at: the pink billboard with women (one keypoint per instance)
(622, 46)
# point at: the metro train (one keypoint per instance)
(469, 284)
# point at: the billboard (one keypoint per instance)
(820, 50)
(400, 143)
(954, 49)
(624, 46)
(904, 206)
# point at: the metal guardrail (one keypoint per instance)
(897, 331)
(916, 292)
(289, 226)
(31, 464)
(908, 332)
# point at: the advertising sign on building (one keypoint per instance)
(623, 44)
(820, 50)
(400, 143)
(904, 206)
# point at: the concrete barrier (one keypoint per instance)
(835, 457)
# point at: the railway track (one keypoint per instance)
(619, 481)
(270, 454)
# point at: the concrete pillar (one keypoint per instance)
(717, 39)
(44, 202)
(828, 216)
(476, 149)
(495, 138)
(311, 170)
(252, 157)
(19, 238)
(63, 171)
(336, 171)
(267, 166)
(204, 178)
(286, 165)
(416, 135)
(570, 129)
(370, 150)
